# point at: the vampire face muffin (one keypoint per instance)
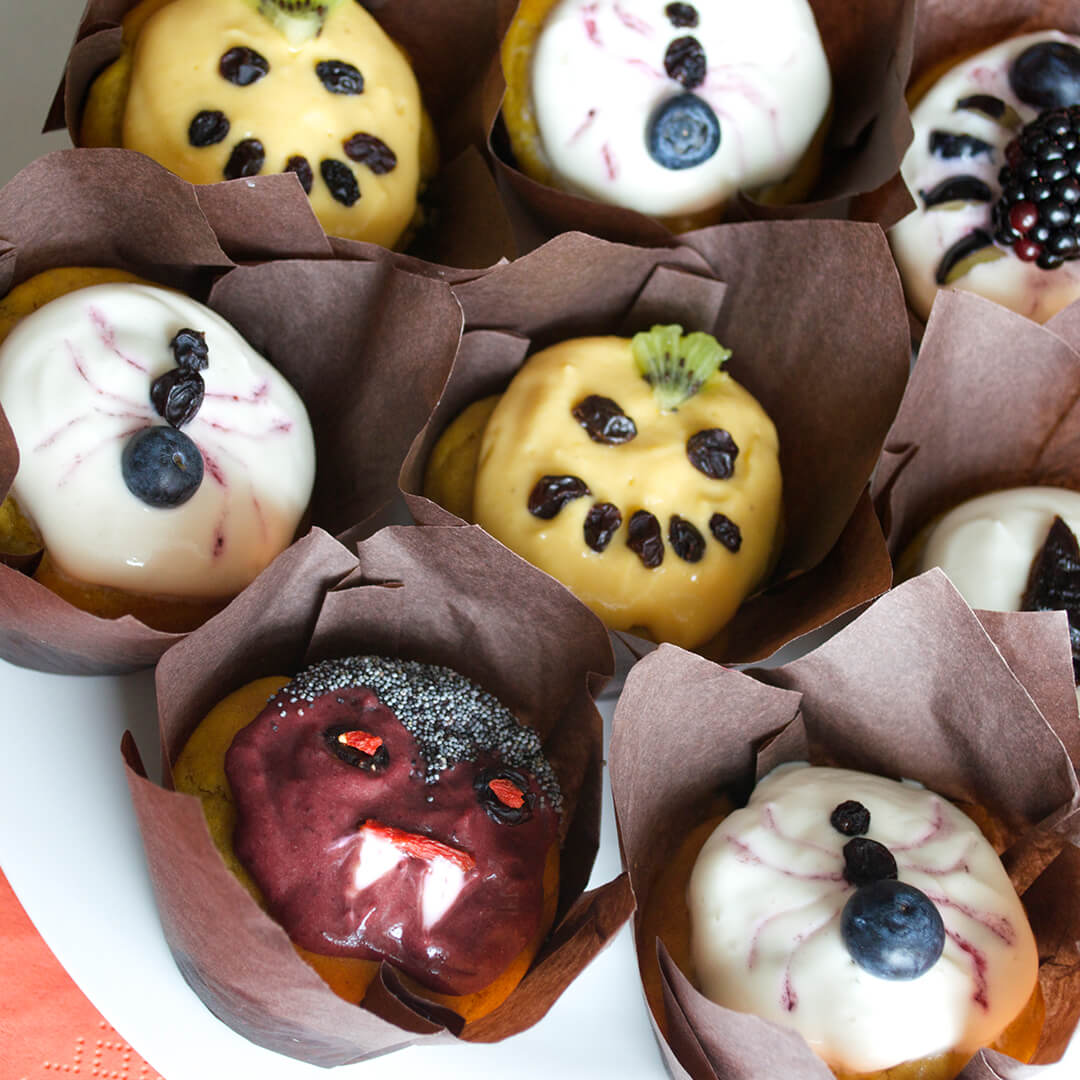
(386, 810)
(162, 462)
(222, 89)
(668, 109)
(995, 170)
(870, 916)
(634, 471)
(1013, 550)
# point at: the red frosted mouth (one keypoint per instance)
(419, 846)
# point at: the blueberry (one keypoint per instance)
(682, 133)
(161, 466)
(1047, 75)
(892, 930)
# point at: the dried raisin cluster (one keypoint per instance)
(712, 452)
(243, 66)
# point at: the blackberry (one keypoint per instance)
(1038, 213)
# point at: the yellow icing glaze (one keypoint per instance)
(174, 76)
(532, 433)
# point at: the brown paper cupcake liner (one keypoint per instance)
(913, 688)
(815, 319)
(993, 402)
(447, 596)
(468, 227)
(869, 51)
(367, 346)
(946, 30)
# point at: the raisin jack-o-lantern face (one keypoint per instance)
(223, 89)
(640, 475)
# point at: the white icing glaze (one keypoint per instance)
(986, 545)
(921, 239)
(765, 899)
(75, 382)
(598, 75)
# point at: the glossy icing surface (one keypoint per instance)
(986, 544)
(598, 75)
(765, 899)
(533, 433)
(176, 75)
(401, 861)
(75, 381)
(921, 239)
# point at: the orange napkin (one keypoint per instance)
(48, 1028)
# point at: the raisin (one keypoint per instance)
(682, 15)
(645, 538)
(552, 493)
(351, 754)
(726, 531)
(601, 523)
(866, 861)
(684, 61)
(713, 452)
(339, 77)
(498, 790)
(207, 128)
(339, 178)
(177, 395)
(604, 420)
(242, 66)
(850, 818)
(246, 159)
(685, 540)
(302, 167)
(371, 151)
(189, 349)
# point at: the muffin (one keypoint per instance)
(435, 596)
(995, 170)
(386, 810)
(634, 470)
(221, 90)
(667, 110)
(859, 898)
(163, 462)
(915, 690)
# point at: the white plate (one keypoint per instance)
(70, 849)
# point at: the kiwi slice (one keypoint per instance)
(298, 20)
(971, 249)
(674, 364)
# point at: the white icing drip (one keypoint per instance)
(921, 239)
(375, 857)
(75, 382)
(765, 932)
(598, 75)
(442, 886)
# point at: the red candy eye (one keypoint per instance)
(508, 793)
(363, 741)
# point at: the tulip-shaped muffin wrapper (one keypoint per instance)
(914, 688)
(992, 404)
(367, 346)
(467, 225)
(869, 54)
(445, 596)
(820, 340)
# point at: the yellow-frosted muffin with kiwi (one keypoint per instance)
(221, 89)
(634, 470)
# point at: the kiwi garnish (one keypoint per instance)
(676, 365)
(298, 20)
